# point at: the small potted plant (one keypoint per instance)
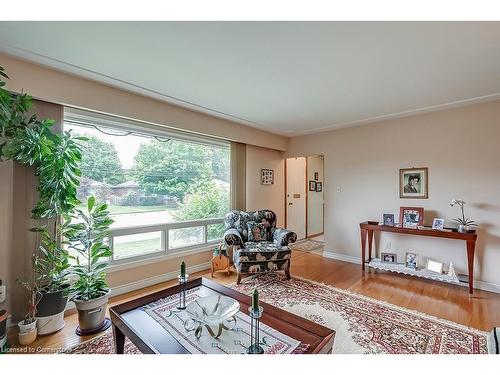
(86, 235)
(464, 224)
(27, 327)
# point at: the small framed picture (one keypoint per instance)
(316, 176)
(434, 266)
(267, 176)
(438, 224)
(413, 183)
(411, 261)
(312, 185)
(411, 217)
(389, 220)
(319, 187)
(388, 257)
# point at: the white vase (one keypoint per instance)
(463, 228)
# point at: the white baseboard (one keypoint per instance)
(342, 257)
(139, 284)
(478, 284)
(143, 283)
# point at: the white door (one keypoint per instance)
(296, 196)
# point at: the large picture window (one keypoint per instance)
(164, 193)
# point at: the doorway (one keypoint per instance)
(304, 196)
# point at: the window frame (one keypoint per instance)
(90, 119)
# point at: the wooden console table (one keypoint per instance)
(368, 228)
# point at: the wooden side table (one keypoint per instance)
(220, 262)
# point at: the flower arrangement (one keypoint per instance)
(463, 222)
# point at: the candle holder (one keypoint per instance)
(182, 294)
(255, 315)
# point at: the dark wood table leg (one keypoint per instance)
(363, 248)
(471, 246)
(370, 244)
(119, 339)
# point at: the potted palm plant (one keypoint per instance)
(85, 232)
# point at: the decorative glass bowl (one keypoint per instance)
(216, 313)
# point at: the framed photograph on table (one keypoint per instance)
(389, 220)
(438, 224)
(388, 257)
(411, 217)
(413, 183)
(434, 266)
(411, 261)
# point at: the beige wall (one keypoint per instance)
(69, 90)
(461, 149)
(265, 196)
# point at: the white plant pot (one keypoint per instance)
(50, 324)
(27, 337)
(25, 328)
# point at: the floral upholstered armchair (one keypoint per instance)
(258, 245)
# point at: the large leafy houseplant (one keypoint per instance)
(86, 232)
(54, 158)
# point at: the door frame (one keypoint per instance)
(307, 194)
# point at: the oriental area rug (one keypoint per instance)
(363, 325)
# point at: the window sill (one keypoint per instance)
(125, 264)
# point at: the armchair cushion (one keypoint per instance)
(257, 231)
(262, 256)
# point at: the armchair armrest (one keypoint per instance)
(283, 237)
(233, 238)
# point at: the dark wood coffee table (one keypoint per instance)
(150, 337)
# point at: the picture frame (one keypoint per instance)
(413, 183)
(411, 260)
(388, 257)
(434, 266)
(388, 220)
(411, 217)
(267, 176)
(319, 187)
(438, 224)
(316, 176)
(312, 185)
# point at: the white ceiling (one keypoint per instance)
(286, 77)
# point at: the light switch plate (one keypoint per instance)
(3, 293)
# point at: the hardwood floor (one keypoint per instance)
(481, 311)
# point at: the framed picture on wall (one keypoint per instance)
(413, 183)
(312, 185)
(411, 217)
(267, 176)
(316, 176)
(319, 187)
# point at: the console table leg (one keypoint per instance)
(370, 243)
(363, 248)
(471, 245)
(119, 339)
